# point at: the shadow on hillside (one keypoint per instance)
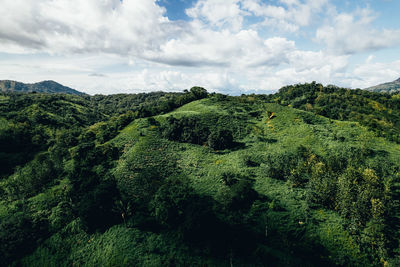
(235, 147)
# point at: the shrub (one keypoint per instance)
(220, 139)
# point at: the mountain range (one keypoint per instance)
(56, 88)
(40, 87)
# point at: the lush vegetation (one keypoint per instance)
(306, 177)
(379, 112)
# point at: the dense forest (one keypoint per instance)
(308, 176)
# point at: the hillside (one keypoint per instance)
(30, 123)
(40, 87)
(390, 87)
(193, 179)
(379, 112)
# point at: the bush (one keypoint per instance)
(171, 201)
(220, 139)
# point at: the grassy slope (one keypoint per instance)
(265, 137)
(288, 131)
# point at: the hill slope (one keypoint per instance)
(221, 181)
(379, 112)
(30, 123)
(40, 87)
(390, 87)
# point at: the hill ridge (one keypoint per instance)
(389, 87)
(46, 86)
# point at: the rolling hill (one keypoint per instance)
(298, 178)
(40, 87)
(390, 87)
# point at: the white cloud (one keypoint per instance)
(60, 26)
(220, 13)
(306, 60)
(350, 33)
(369, 59)
(370, 74)
(225, 49)
(139, 29)
(290, 16)
(303, 66)
(226, 45)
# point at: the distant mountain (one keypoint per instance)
(40, 87)
(390, 87)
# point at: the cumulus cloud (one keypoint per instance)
(370, 74)
(235, 50)
(302, 66)
(140, 29)
(220, 13)
(60, 26)
(225, 45)
(350, 33)
(155, 80)
(286, 15)
(289, 16)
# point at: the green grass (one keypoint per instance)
(3, 123)
(131, 134)
(118, 246)
(4, 98)
(197, 107)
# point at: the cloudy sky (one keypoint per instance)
(229, 46)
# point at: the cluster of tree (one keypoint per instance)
(380, 112)
(145, 104)
(30, 123)
(126, 108)
(360, 185)
(197, 130)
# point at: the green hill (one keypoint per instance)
(379, 112)
(193, 179)
(40, 87)
(390, 87)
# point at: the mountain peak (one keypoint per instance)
(390, 87)
(48, 82)
(48, 86)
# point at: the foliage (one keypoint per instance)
(380, 112)
(198, 130)
(220, 139)
(178, 179)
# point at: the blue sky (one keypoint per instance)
(176, 8)
(229, 46)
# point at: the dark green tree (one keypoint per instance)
(220, 139)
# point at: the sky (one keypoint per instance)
(227, 46)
